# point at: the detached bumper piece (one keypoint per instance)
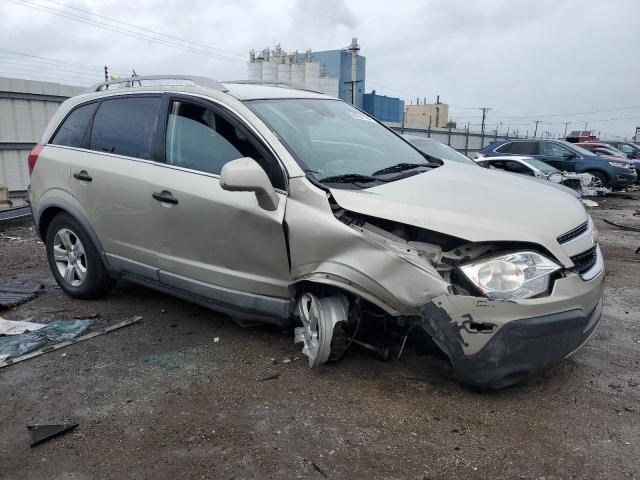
(518, 351)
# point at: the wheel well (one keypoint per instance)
(596, 170)
(45, 220)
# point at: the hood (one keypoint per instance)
(475, 204)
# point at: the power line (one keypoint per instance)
(145, 29)
(52, 60)
(122, 31)
(40, 67)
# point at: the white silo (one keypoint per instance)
(297, 73)
(312, 75)
(254, 70)
(269, 71)
(284, 72)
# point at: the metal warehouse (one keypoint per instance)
(25, 109)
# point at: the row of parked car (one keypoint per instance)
(614, 168)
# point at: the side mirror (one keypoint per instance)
(555, 177)
(569, 156)
(245, 175)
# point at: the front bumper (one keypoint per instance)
(623, 180)
(521, 338)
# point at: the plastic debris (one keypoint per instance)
(13, 293)
(17, 327)
(41, 433)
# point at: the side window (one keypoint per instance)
(517, 167)
(523, 148)
(72, 129)
(202, 139)
(126, 126)
(504, 148)
(553, 149)
(497, 164)
(625, 148)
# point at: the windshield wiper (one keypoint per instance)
(350, 178)
(400, 167)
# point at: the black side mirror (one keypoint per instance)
(569, 156)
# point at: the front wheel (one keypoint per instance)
(601, 178)
(73, 259)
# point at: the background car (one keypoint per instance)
(582, 183)
(438, 149)
(602, 149)
(616, 174)
(630, 149)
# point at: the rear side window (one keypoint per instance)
(72, 129)
(504, 148)
(522, 148)
(126, 126)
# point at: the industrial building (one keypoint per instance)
(25, 109)
(425, 115)
(338, 73)
(385, 109)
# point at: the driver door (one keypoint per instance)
(558, 156)
(209, 237)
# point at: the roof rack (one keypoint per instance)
(160, 80)
(273, 83)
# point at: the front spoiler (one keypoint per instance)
(519, 350)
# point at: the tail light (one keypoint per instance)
(33, 157)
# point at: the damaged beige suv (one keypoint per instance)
(279, 205)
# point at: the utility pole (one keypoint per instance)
(535, 132)
(106, 74)
(566, 124)
(484, 117)
(354, 48)
(437, 116)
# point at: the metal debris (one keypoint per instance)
(41, 433)
(17, 327)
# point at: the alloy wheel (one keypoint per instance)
(70, 257)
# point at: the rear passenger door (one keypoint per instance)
(111, 180)
(210, 237)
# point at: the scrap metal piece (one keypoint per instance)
(13, 293)
(319, 315)
(41, 433)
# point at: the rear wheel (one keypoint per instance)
(73, 259)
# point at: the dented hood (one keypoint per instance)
(472, 203)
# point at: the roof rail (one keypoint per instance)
(160, 80)
(274, 83)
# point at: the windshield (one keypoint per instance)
(540, 165)
(577, 149)
(441, 151)
(330, 138)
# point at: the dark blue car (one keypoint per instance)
(616, 174)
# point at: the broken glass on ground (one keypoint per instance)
(59, 331)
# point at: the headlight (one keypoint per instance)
(514, 275)
(619, 164)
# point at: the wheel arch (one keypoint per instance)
(52, 207)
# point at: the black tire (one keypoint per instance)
(601, 176)
(96, 281)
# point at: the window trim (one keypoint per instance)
(232, 117)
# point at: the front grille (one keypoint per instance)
(575, 233)
(583, 262)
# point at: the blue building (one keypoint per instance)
(385, 109)
(337, 63)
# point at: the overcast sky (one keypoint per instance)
(526, 60)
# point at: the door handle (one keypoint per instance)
(165, 196)
(83, 176)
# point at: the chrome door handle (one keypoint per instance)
(165, 197)
(83, 176)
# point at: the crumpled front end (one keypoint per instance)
(498, 343)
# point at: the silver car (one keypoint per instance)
(279, 205)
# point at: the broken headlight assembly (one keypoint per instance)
(512, 275)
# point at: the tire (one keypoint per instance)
(601, 176)
(74, 260)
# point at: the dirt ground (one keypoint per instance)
(186, 393)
